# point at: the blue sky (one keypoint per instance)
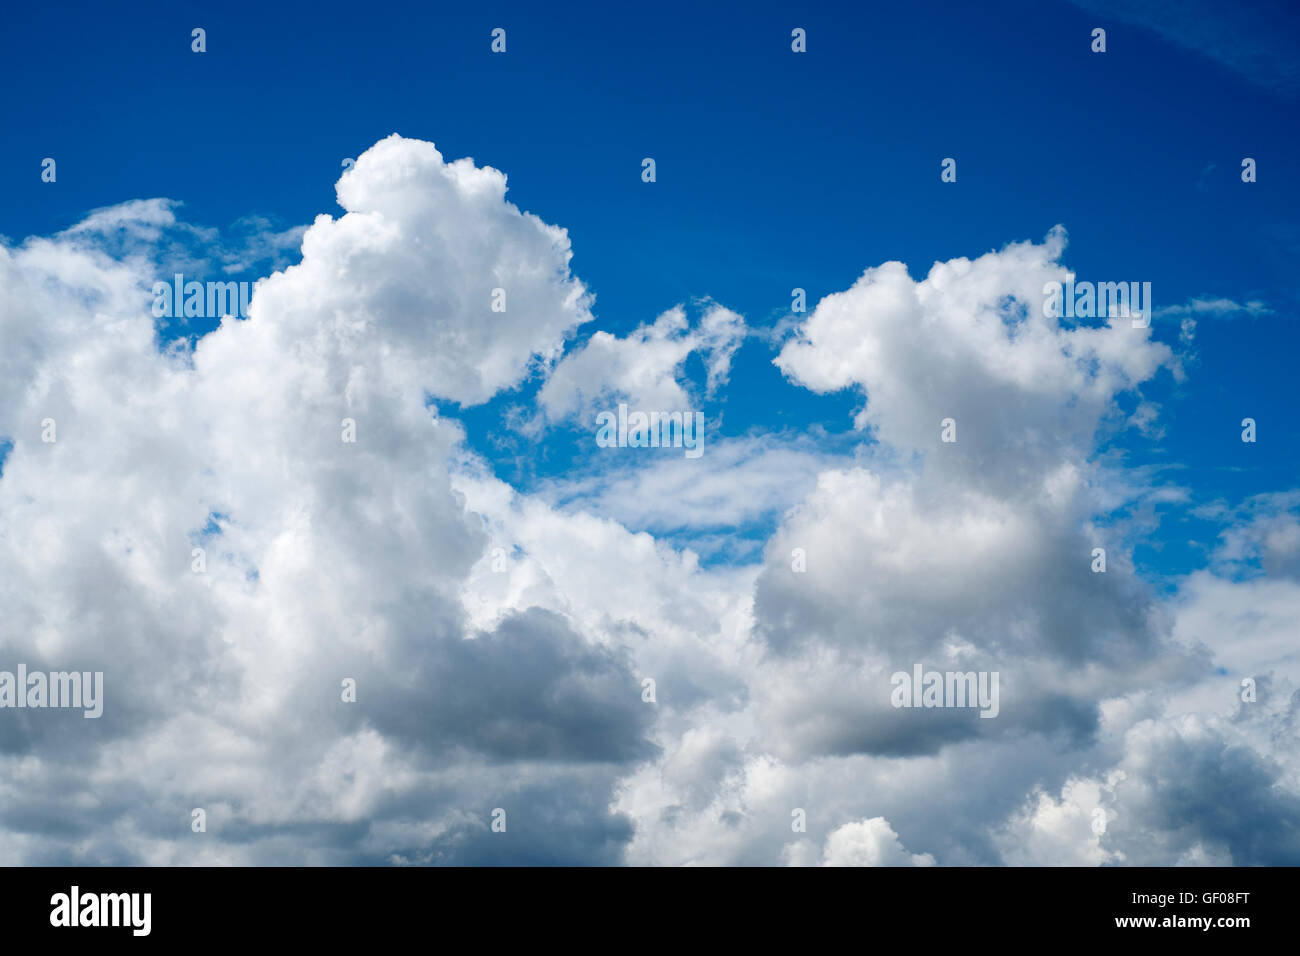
(775, 171)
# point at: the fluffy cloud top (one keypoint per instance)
(971, 342)
(643, 368)
(870, 843)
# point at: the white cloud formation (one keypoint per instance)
(645, 367)
(514, 677)
(1265, 538)
(973, 557)
(970, 343)
(1213, 308)
(869, 843)
(325, 559)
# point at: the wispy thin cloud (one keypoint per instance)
(1259, 41)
